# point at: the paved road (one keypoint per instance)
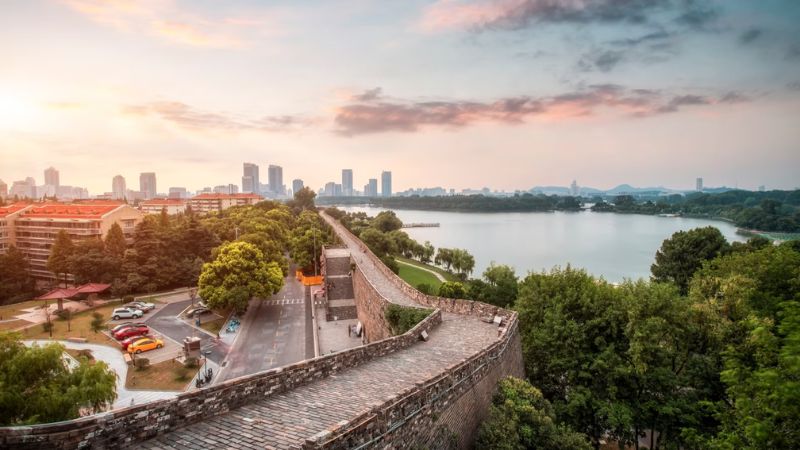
(274, 332)
(166, 322)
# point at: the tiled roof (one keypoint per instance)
(11, 209)
(225, 196)
(90, 210)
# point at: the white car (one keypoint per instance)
(127, 313)
(144, 306)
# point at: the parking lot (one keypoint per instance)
(171, 347)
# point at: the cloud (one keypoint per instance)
(163, 19)
(750, 36)
(603, 61)
(188, 117)
(386, 115)
(516, 14)
(793, 86)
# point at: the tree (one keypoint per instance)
(16, 282)
(520, 418)
(501, 283)
(60, 253)
(115, 242)
(427, 252)
(387, 221)
(238, 274)
(463, 262)
(683, 253)
(380, 243)
(303, 199)
(38, 387)
(452, 289)
(89, 262)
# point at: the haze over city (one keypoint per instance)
(507, 94)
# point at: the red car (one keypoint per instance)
(128, 341)
(136, 330)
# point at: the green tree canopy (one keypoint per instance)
(387, 221)
(520, 418)
(16, 282)
(452, 289)
(238, 273)
(501, 283)
(38, 387)
(59, 260)
(115, 242)
(380, 243)
(683, 253)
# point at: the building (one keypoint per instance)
(297, 185)
(134, 196)
(574, 190)
(118, 187)
(275, 179)
(23, 189)
(699, 184)
(178, 192)
(205, 203)
(386, 184)
(70, 193)
(347, 182)
(35, 228)
(156, 205)
(250, 180)
(337, 190)
(147, 184)
(51, 177)
(330, 189)
(3, 190)
(371, 188)
(8, 214)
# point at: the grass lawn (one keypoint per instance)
(164, 376)
(447, 275)
(80, 326)
(10, 311)
(415, 276)
(13, 324)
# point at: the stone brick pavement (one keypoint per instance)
(286, 420)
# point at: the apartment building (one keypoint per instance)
(8, 214)
(205, 203)
(156, 205)
(33, 229)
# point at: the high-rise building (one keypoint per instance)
(178, 193)
(337, 190)
(574, 190)
(250, 180)
(371, 188)
(51, 177)
(23, 189)
(147, 184)
(118, 187)
(3, 189)
(347, 182)
(297, 185)
(330, 189)
(761, 188)
(699, 184)
(386, 184)
(275, 174)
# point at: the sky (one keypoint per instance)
(508, 94)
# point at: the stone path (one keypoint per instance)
(286, 420)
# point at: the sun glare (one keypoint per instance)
(16, 111)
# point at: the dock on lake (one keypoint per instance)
(421, 225)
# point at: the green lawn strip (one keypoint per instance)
(416, 276)
(168, 375)
(447, 275)
(79, 326)
(10, 311)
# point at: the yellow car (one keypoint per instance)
(145, 344)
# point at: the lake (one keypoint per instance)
(614, 246)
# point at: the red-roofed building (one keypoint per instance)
(7, 216)
(156, 205)
(206, 203)
(35, 228)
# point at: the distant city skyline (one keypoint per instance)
(457, 93)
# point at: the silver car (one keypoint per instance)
(127, 313)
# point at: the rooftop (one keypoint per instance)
(163, 201)
(225, 196)
(11, 209)
(90, 210)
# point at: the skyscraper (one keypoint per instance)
(347, 182)
(118, 187)
(250, 180)
(147, 184)
(330, 189)
(699, 184)
(371, 189)
(275, 174)
(574, 190)
(297, 185)
(3, 189)
(51, 177)
(386, 184)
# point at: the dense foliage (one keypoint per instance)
(517, 202)
(36, 386)
(765, 211)
(520, 418)
(684, 252)
(404, 318)
(16, 282)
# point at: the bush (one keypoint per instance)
(47, 326)
(86, 353)
(425, 288)
(390, 263)
(97, 322)
(64, 314)
(191, 363)
(404, 318)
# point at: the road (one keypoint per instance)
(166, 322)
(274, 332)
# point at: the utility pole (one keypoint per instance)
(314, 231)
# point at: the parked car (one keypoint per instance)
(125, 343)
(131, 331)
(197, 311)
(144, 345)
(127, 313)
(144, 306)
(126, 325)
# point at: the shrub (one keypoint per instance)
(390, 263)
(425, 288)
(64, 314)
(97, 322)
(127, 299)
(404, 318)
(47, 326)
(191, 362)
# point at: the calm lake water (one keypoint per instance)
(614, 246)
